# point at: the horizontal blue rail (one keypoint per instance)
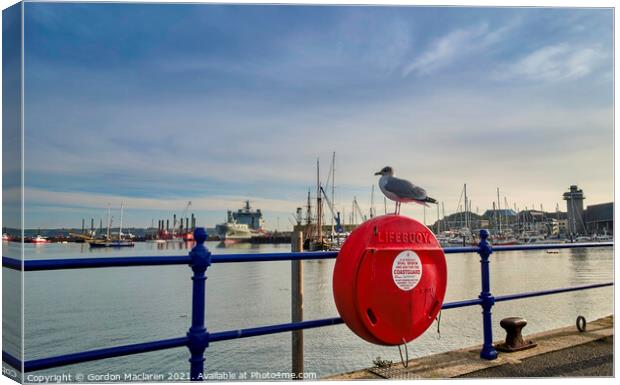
(510, 297)
(117, 351)
(197, 339)
(93, 355)
(87, 263)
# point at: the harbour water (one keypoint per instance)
(77, 310)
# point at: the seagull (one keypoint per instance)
(401, 190)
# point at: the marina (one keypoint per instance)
(262, 297)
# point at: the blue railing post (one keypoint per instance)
(198, 337)
(488, 351)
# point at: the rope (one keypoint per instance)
(439, 324)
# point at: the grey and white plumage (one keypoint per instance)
(401, 190)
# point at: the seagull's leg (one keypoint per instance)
(396, 208)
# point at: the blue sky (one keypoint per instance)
(157, 105)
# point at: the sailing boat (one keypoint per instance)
(108, 242)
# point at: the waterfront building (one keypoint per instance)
(574, 208)
(599, 218)
(563, 226)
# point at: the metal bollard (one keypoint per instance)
(488, 351)
(198, 337)
(514, 340)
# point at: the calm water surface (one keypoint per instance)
(76, 310)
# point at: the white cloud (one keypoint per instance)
(445, 49)
(456, 44)
(554, 63)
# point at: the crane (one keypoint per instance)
(331, 209)
(181, 227)
(358, 210)
(189, 203)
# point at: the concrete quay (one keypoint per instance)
(563, 352)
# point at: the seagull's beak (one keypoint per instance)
(378, 173)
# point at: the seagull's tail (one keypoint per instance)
(430, 200)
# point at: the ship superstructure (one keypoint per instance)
(241, 225)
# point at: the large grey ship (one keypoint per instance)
(241, 225)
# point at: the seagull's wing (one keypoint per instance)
(405, 189)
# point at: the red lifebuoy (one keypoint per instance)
(390, 279)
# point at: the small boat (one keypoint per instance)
(583, 239)
(108, 242)
(603, 238)
(6, 237)
(535, 239)
(39, 239)
(113, 243)
(500, 240)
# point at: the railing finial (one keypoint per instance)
(200, 235)
(484, 246)
(484, 234)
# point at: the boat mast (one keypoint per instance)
(309, 210)
(438, 223)
(499, 211)
(507, 208)
(495, 215)
(333, 186)
(309, 217)
(318, 205)
(443, 215)
(109, 223)
(469, 212)
(466, 207)
(120, 227)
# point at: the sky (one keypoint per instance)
(155, 105)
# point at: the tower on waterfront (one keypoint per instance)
(574, 209)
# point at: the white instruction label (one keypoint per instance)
(407, 270)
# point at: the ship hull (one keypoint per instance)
(233, 233)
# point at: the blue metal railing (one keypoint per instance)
(198, 338)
